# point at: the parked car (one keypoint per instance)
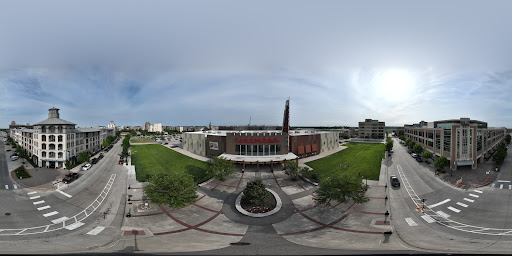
(394, 181)
(94, 161)
(86, 167)
(14, 158)
(419, 159)
(409, 151)
(414, 155)
(70, 178)
(121, 161)
(100, 157)
(391, 151)
(14, 154)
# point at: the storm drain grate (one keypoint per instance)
(241, 243)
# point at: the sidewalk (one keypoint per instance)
(184, 152)
(303, 161)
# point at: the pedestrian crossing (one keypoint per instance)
(12, 186)
(502, 184)
(458, 207)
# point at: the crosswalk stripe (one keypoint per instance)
(15, 187)
(6, 186)
(461, 204)
(34, 197)
(96, 230)
(39, 202)
(493, 185)
(453, 209)
(43, 208)
(31, 193)
(478, 191)
(501, 186)
(411, 222)
(442, 214)
(440, 203)
(74, 225)
(469, 200)
(50, 214)
(428, 219)
(509, 186)
(475, 196)
(59, 220)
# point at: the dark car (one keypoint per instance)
(101, 156)
(70, 178)
(419, 159)
(409, 151)
(394, 181)
(15, 154)
(94, 161)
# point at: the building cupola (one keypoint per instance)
(53, 112)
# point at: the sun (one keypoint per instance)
(394, 84)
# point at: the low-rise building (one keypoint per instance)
(372, 129)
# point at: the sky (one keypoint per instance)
(192, 62)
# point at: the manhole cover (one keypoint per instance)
(241, 243)
(8, 214)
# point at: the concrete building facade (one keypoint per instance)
(372, 129)
(463, 141)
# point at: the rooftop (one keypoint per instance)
(54, 120)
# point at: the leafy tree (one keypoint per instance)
(68, 164)
(501, 154)
(293, 169)
(389, 145)
(306, 172)
(219, 168)
(83, 157)
(345, 136)
(507, 138)
(105, 144)
(441, 163)
(401, 137)
(341, 188)
(427, 154)
(255, 193)
(118, 133)
(133, 133)
(418, 149)
(172, 190)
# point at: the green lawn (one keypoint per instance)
(141, 140)
(153, 159)
(359, 157)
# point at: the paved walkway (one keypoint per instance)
(302, 161)
(184, 152)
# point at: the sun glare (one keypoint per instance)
(394, 84)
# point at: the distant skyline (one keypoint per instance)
(192, 62)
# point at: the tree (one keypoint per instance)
(427, 154)
(293, 169)
(507, 138)
(219, 168)
(133, 132)
(255, 193)
(501, 154)
(118, 133)
(401, 137)
(67, 164)
(441, 163)
(175, 190)
(341, 188)
(418, 149)
(389, 145)
(105, 144)
(83, 157)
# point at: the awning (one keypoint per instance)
(308, 148)
(301, 150)
(464, 162)
(315, 148)
(259, 159)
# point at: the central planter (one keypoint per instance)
(238, 206)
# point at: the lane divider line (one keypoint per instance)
(59, 220)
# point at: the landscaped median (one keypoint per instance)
(21, 173)
(364, 158)
(156, 159)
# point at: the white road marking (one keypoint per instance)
(442, 214)
(509, 186)
(475, 196)
(6, 186)
(411, 222)
(66, 194)
(35, 197)
(428, 219)
(44, 208)
(461, 204)
(440, 203)
(503, 180)
(31, 193)
(501, 186)
(50, 214)
(59, 220)
(493, 185)
(469, 200)
(15, 187)
(96, 230)
(74, 225)
(478, 191)
(453, 209)
(39, 202)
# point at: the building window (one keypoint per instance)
(52, 154)
(60, 154)
(43, 138)
(60, 146)
(43, 154)
(51, 138)
(43, 146)
(52, 129)
(60, 138)
(60, 129)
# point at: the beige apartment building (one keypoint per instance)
(53, 141)
(371, 129)
(463, 141)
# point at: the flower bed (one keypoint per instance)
(21, 173)
(266, 206)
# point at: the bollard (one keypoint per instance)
(387, 213)
(129, 187)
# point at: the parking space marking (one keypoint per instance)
(461, 204)
(31, 193)
(64, 193)
(59, 220)
(96, 230)
(478, 191)
(411, 222)
(428, 219)
(50, 214)
(74, 225)
(453, 209)
(469, 200)
(475, 196)
(15, 187)
(35, 197)
(440, 203)
(442, 214)
(43, 208)
(39, 202)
